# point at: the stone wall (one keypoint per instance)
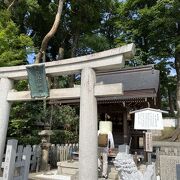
(156, 133)
(167, 156)
(170, 122)
(168, 167)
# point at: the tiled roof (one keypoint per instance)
(138, 82)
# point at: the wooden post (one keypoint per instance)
(5, 85)
(38, 158)
(18, 158)
(88, 163)
(26, 159)
(19, 153)
(9, 164)
(157, 160)
(34, 157)
(125, 127)
(148, 146)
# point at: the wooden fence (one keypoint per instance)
(61, 152)
(19, 160)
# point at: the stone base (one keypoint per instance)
(68, 167)
(55, 177)
(51, 175)
(71, 168)
(113, 173)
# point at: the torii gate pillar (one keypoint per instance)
(88, 127)
(5, 85)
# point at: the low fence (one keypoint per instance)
(61, 152)
(19, 160)
(167, 157)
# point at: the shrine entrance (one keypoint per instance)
(140, 90)
(87, 92)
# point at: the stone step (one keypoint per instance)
(112, 173)
(112, 169)
(68, 167)
(113, 176)
(52, 175)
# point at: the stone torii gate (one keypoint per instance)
(88, 66)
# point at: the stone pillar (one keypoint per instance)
(88, 127)
(125, 127)
(5, 85)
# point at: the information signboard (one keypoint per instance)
(148, 120)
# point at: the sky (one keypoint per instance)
(30, 58)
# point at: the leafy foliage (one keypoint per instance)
(66, 116)
(13, 44)
(153, 26)
(24, 124)
(86, 27)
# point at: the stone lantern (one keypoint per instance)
(45, 145)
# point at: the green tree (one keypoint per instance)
(154, 26)
(22, 125)
(80, 32)
(14, 45)
(167, 87)
(104, 36)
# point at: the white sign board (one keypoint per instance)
(148, 119)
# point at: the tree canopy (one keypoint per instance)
(80, 32)
(154, 26)
(14, 45)
(91, 26)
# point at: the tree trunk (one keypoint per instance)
(55, 79)
(74, 44)
(73, 54)
(177, 63)
(51, 33)
(177, 66)
(171, 104)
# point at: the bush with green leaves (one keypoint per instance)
(24, 116)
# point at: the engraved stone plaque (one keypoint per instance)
(37, 80)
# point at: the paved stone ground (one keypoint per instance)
(112, 174)
(98, 179)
